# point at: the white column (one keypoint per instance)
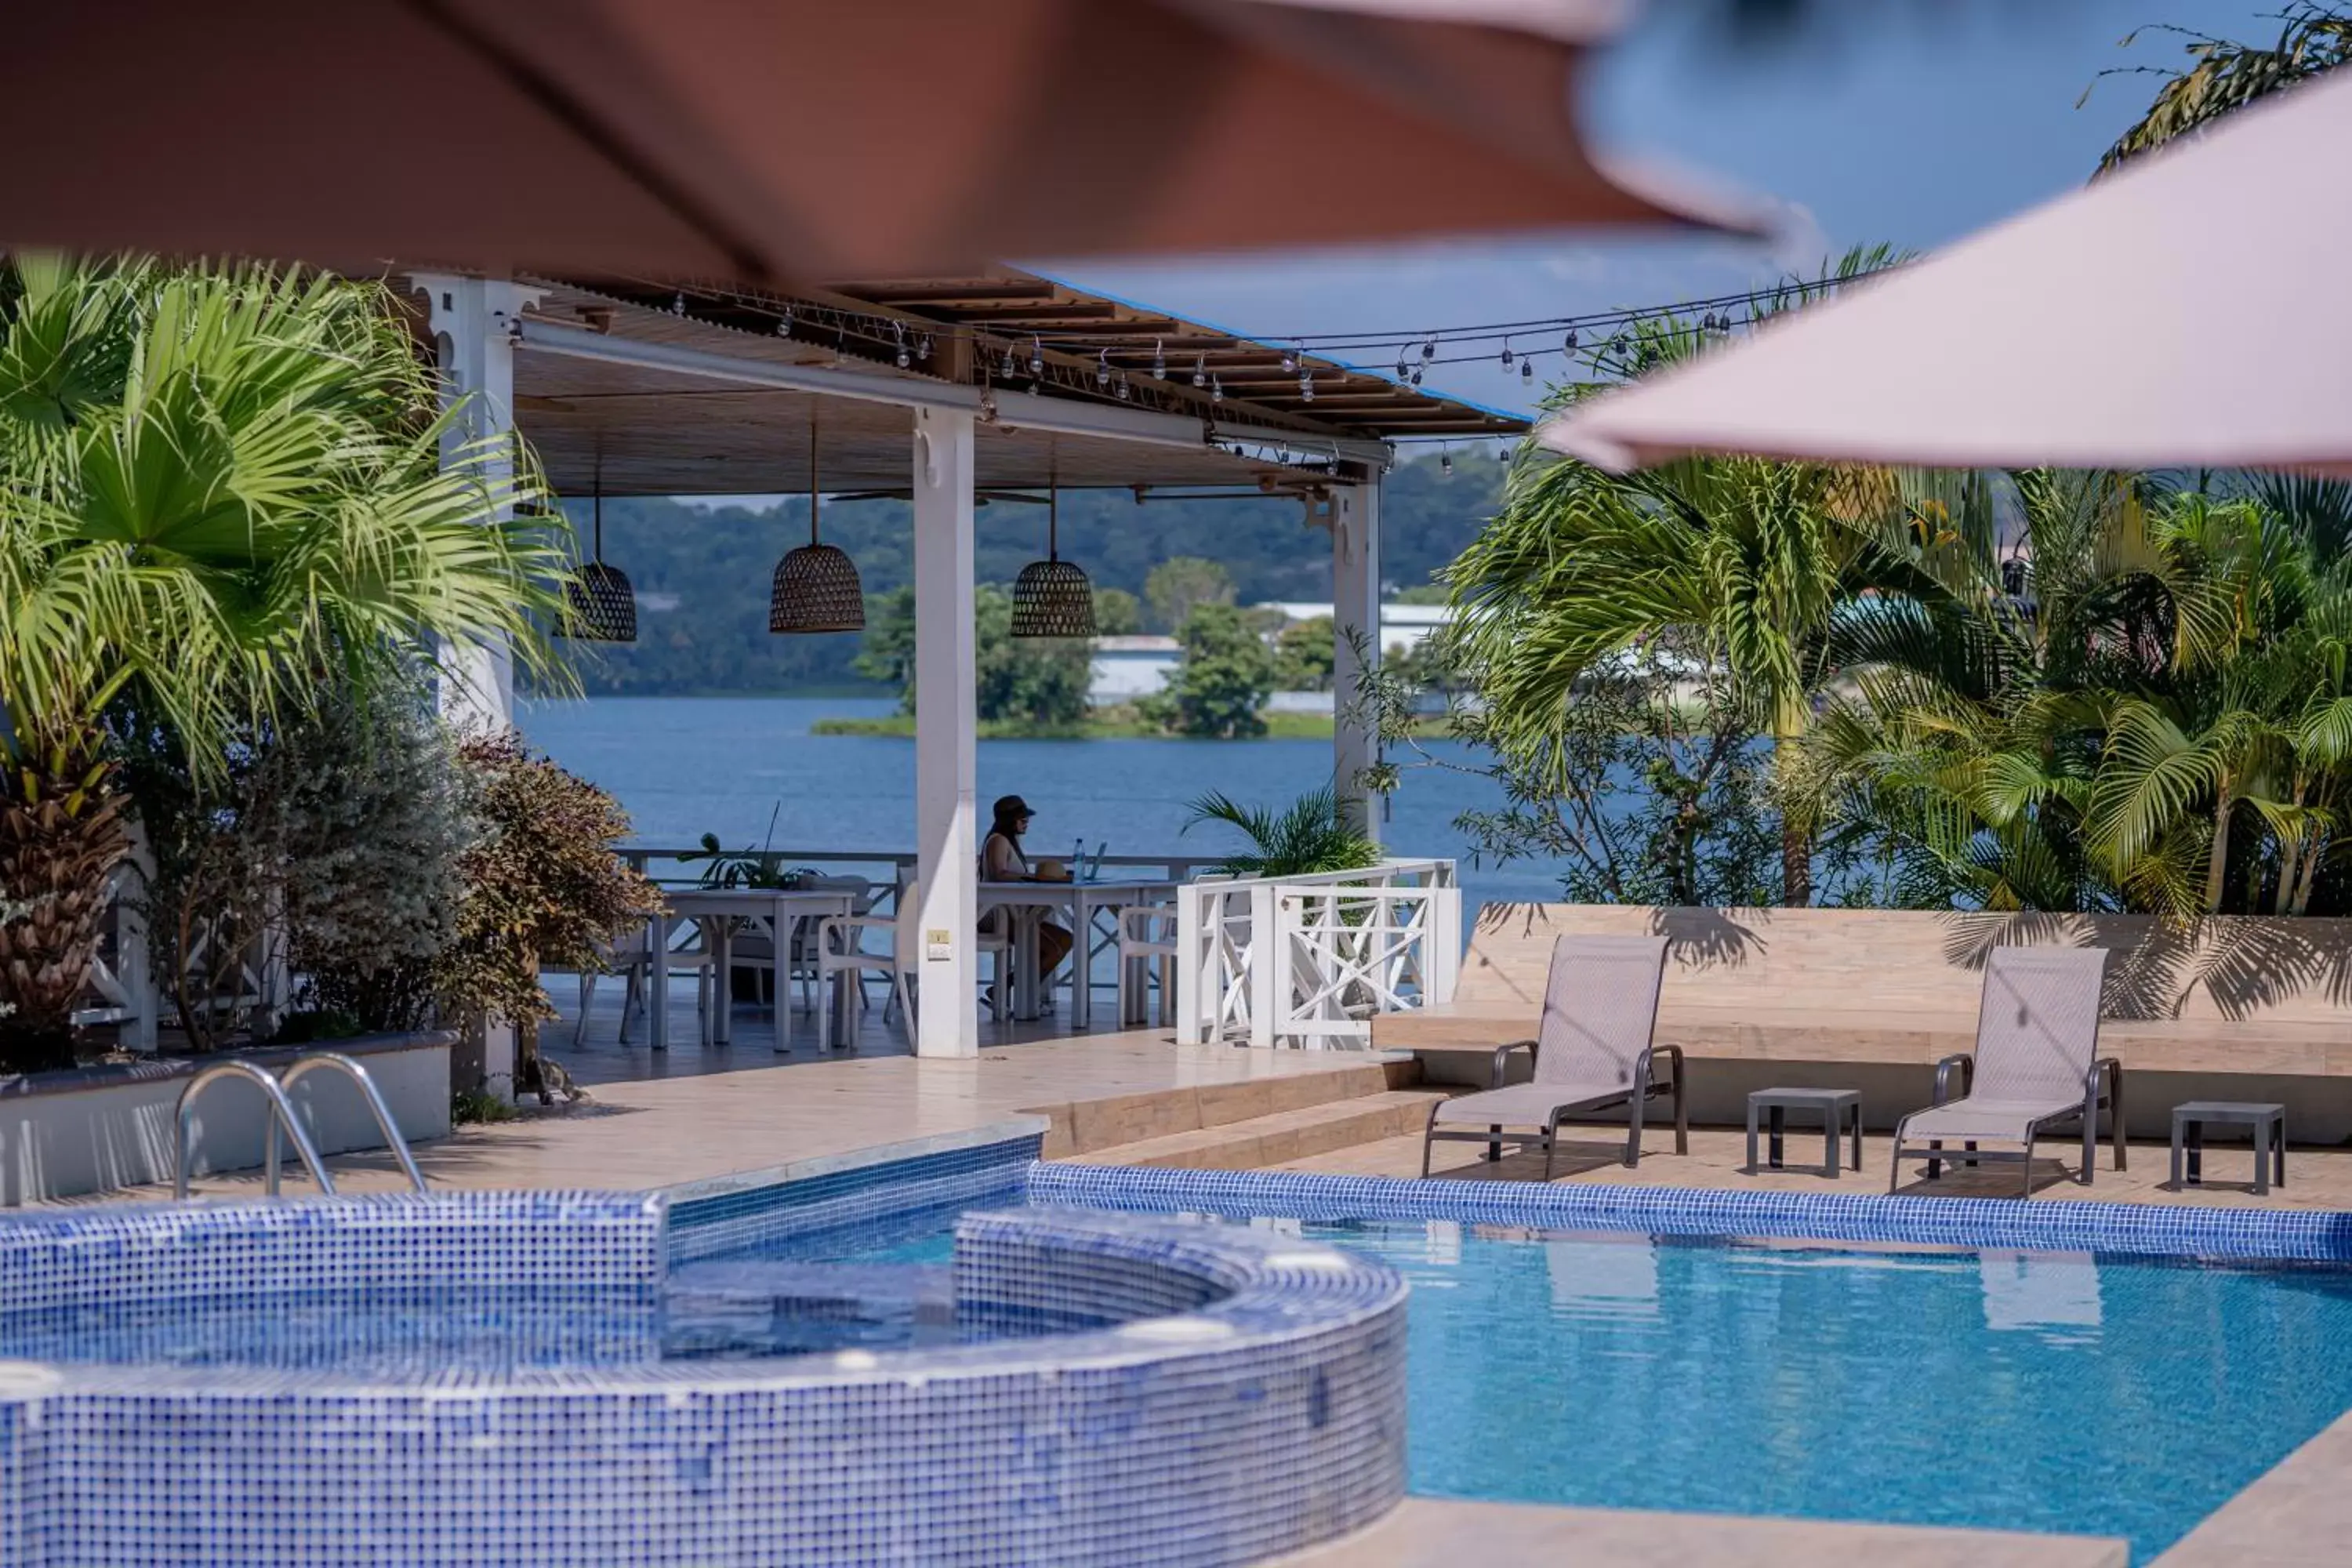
(473, 321)
(1355, 607)
(945, 727)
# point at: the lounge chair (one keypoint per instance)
(1592, 1052)
(2036, 1065)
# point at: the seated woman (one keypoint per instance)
(1001, 860)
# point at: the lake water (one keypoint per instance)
(686, 766)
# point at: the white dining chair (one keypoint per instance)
(1147, 936)
(843, 958)
(632, 958)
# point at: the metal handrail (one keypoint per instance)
(281, 1110)
(311, 1060)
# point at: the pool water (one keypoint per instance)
(2103, 1395)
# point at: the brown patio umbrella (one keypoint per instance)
(792, 139)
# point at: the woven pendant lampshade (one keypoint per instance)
(816, 587)
(598, 606)
(1052, 598)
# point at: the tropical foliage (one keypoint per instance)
(543, 887)
(1310, 836)
(1710, 583)
(218, 485)
(1034, 683)
(2224, 75)
(2135, 700)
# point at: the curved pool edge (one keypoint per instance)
(1245, 1399)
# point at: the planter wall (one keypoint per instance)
(95, 1129)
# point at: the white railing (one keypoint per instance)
(679, 867)
(1307, 962)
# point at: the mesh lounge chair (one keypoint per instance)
(2036, 1065)
(1592, 1052)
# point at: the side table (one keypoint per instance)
(2268, 1124)
(1836, 1107)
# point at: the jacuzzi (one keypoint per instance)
(580, 1378)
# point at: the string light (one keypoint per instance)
(1102, 368)
(1507, 354)
(1526, 372)
(1429, 348)
(923, 346)
(1307, 386)
(1568, 344)
(1008, 372)
(1159, 362)
(1036, 355)
(1445, 462)
(905, 359)
(1289, 360)
(1216, 389)
(677, 305)
(1201, 370)
(1122, 386)
(784, 323)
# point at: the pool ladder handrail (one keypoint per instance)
(282, 1116)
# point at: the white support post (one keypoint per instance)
(946, 732)
(1355, 608)
(475, 321)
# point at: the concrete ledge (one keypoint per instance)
(1434, 1532)
(96, 1128)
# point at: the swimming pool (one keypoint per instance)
(2087, 1393)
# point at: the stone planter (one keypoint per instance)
(95, 1129)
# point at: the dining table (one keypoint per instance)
(1028, 903)
(718, 910)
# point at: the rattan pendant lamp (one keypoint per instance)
(598, 606)
(816, 587)
(1052, 598)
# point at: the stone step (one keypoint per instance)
(1083, 1128)
(1283, 1136)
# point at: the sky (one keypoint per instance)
(1914, 127)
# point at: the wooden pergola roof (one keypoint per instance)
(639, 429)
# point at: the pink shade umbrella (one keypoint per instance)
(2184, 313)
(794, 139)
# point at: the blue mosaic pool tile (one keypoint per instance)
(2323, 1236)
(1233, 1394)
(864, 1206)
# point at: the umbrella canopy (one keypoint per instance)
(2180, 314)
(794, 140)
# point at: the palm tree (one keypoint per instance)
(2226, 75)
(1310, 836)
(216, 484)
(1731, 564)
(2106, 712)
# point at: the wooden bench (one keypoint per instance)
(1871, 999)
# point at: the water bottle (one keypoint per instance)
(1079, 861)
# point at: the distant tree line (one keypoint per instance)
(701, 573)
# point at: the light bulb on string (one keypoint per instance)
(923, 347)
(1416, 375)
(1201, 370)
(784, 323)
(1402, 368)
(1036, 355)
(1289, 360)
(1507, 354)
(1445, 462)
(1102, 368)
(1569, 342)
(904, 358)
(1159, 362)
(1008, 372)
(677, 305)
(1307, 386)
(1122, 386)
(1429, 348)
(1216, 389)
(1526, 372)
